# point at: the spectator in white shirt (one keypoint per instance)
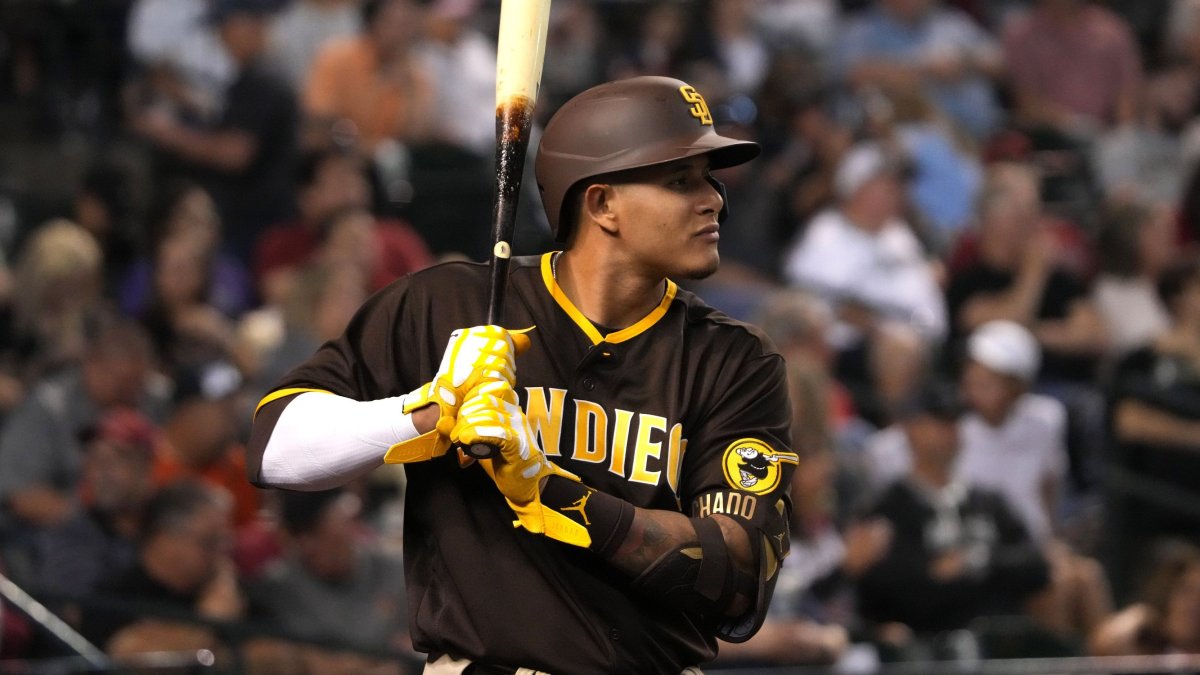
(864, 261)
(1013, 442)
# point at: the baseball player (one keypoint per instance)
(614, 532)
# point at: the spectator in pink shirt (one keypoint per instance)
(1073, 66)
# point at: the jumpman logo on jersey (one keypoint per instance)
(579, 505)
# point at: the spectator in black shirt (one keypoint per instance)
(1017, 278)
(246, 159)
(1155, 413)
(183, 572)
(957, 553)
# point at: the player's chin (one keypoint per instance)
(702, 267)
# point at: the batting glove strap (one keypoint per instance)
(427, 446)
(606, 518)
(492, 415)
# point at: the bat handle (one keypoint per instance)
(481, 451)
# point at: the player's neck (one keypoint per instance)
(607, 291)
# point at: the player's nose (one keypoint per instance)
(711, 199)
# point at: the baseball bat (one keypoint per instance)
(520, 51)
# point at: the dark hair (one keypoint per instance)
(1175, 279)
(308, 166)
(935, 398)
(106, 332)
(176, 504)
(109, 183)
(162, 209)
(1117, 243)
(301, 512)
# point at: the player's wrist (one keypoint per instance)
(425, 419)
(606, 518)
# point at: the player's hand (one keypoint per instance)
(492, 415)
(473, 357)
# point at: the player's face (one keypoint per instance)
(668, 216)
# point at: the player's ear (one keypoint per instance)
(598, 206)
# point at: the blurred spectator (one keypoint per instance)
(957, 552)
(185, 326)
(798, 325)
(814, 133)
(919, 45)
(579, 43)
(301, 29)
(1155, 402)
(462, 60)
(332, 585)
(333, 190)
(117, 483)
(245, 155)
(1016, 277)
(738, 47)
(1182, 70)
(659, 46)
(383, 250)
(183, 570)
(372, 86)
(863, 260)
(1013, 441)
(946, 177)
(39, 445)
(1136, 243)
(202, 436)
(59, 277)
(104, 207)
(1014, 444)
(1166, 617)
(185, 67)
(1074, 66)
(798, 24)
(273, 340)
(184, 210)
(1144, 158)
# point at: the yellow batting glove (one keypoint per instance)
(473, 356)
(491, 414)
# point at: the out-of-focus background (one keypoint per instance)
(972, 232)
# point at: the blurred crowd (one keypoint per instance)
(972, 233)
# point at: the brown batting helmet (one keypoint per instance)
(626, 124)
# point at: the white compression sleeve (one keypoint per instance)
(323, 440)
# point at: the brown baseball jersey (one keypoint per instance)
(686, 410)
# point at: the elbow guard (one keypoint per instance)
(700, 575)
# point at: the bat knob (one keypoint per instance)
(481, 451)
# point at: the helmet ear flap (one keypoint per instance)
(720, 188)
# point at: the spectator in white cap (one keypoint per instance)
(1014, 441)
(1014, 444)
(863, 259)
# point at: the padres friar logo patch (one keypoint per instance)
(753, 466)
(699, 106)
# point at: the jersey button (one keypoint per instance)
(589, 383)
(614, 634)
